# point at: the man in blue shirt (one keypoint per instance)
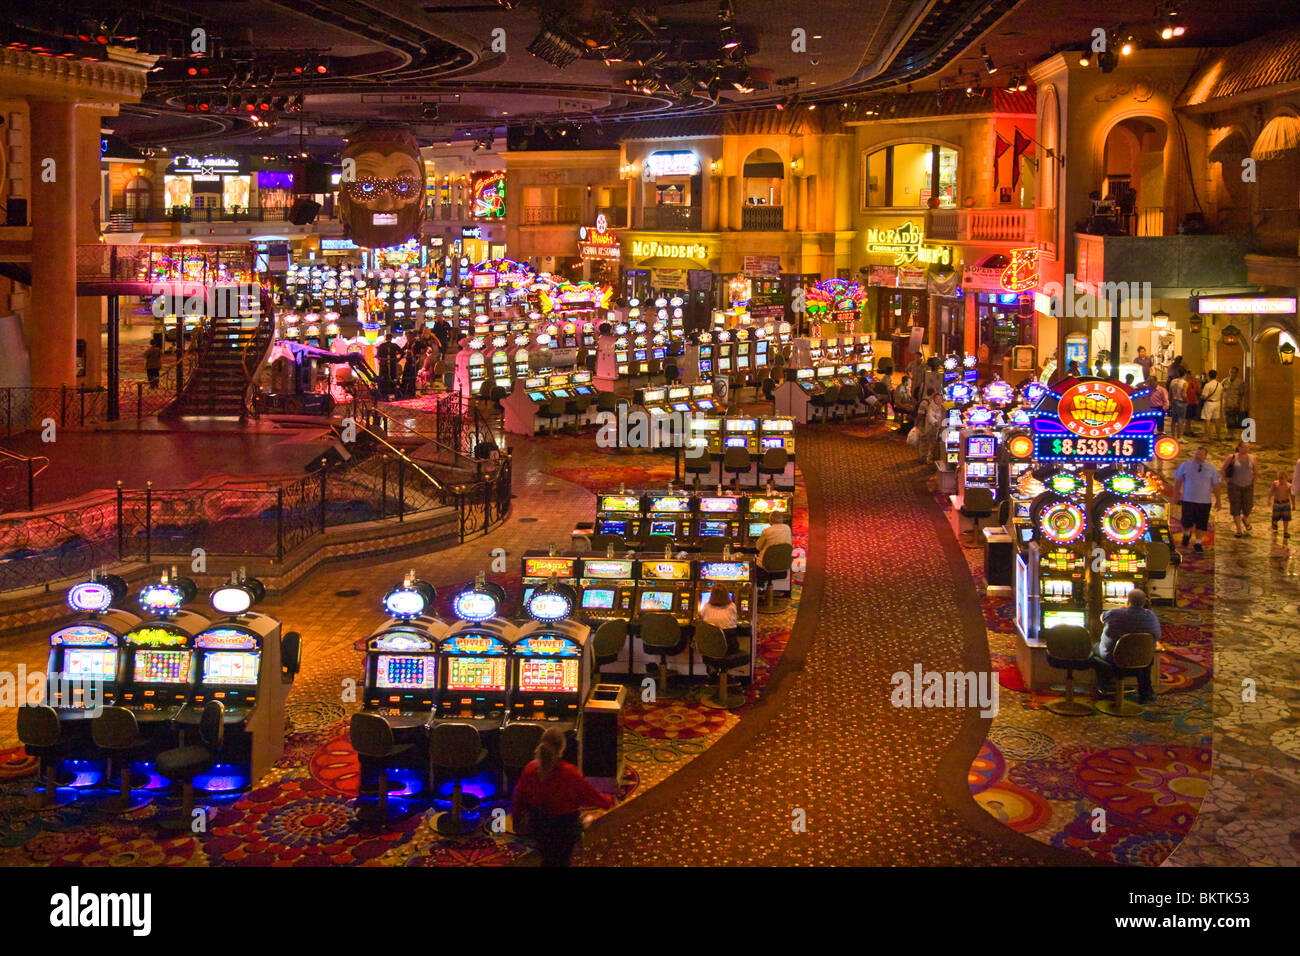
(1194, 483)
(1135, 618)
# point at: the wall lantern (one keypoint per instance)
(796, 165)
(1160, 319)
(1194, 322)
(1286, 349)
(715, 167)
(1231, 335)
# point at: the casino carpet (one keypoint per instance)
(827, 771)
(302, 813)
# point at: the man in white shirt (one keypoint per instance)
(778, 532)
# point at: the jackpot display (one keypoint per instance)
(1093, 421)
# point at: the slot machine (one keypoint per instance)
(677, 317)
(758, 514)
(778, 433)
(540, 568)
(704, 360)
(738, 578)
(702, 397)
(970, 372)
(679, 398)
(622, 350)
(653, 400)
(999, 394)
(744, 356)
(582, 383)
(521, 357)
(718, 519)
(1122, 529)
(1018, 448)
(238, 663)
(157, 676)
(665, 585)
(741, 433)
(401, 678)
(83, 667)
(640, 355)
(500, 362)
(473, 681)
(762, 352)
(607, 588)
(550, 662)
(958, 394)
(979, 462)
(724, 354)
(619, 515)
(705, 438)
(667, 520)
(1051, 577)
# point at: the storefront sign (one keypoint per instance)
(1094, 421)
(882, 276)
(668, 278)
(653, 249)
(598, 243)
(677, 163)
(1021, 274)
(207, 166)
(1245, 306)
(911, 277)
(488, 195)
(337, 245)
(471, 232)
(906, 244)
(762, 265)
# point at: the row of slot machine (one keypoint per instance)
(640, 350)
(312, 328)
(1080, 550)
(736, 354)
(656, 520)
(611, 587)
(524, 405)
(663, 314)
(165, 666)
(794, 396)
(984, 440)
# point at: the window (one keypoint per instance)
(138, 197)
(902, 174)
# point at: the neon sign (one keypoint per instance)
(1021, 274)
(906, 245)
(675, 163)
(488, 194)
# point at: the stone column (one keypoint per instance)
(89, 215)
(51, 320)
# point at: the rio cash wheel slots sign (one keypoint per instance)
(1093, 421)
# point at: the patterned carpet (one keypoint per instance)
(832, 773)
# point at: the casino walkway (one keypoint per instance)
(887, 588)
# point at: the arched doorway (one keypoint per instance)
(137, 197)
(763, 191)
(1134, 175)
(1272, 390)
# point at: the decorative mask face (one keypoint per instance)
(383, 205)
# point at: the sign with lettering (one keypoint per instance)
(653, 249)
(674, 163)
(906, 244)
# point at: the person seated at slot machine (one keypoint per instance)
(720, 611)
(549, 798)
(1134, 618)
(778, 532)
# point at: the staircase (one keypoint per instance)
(222, 382)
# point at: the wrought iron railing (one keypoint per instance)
(18, 475)
(762, 218)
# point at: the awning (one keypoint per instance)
(1279, 135)
(1230, 148)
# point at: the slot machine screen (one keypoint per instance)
(704, 598)
(1064, 618)
(662, 528)
(537, 396)
(724, 365)
(681, 406)
(979, 469)
(757, 527)
(476, 673)
(713, 529)
(706, 366)
(612, 527)
(737, 441)
(980, 446)
(598, 598)
(773, 443)
(404, 672)
(719, 505)
(657, 600)
(231, 667)
(1026, 535)
(162, 667)
(1118, 590)
(561, 393)
(93, 663)
(543, 675)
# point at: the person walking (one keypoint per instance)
(549, 798)
(1159, 399)
(153, 363)
(1240, 471)
(1233, 391)
(1212, 406)
(1195, 482)
(1193, 400)
(1281, 493)
(1178, 405)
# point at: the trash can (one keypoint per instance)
(602, 736)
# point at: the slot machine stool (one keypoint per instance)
(372, 739)
(116, 734)
(736, 462)
(41, 734)
(185, 763)
(662, 637)
(1069, 649)
(775, 565)
(712, 645)
(773, 463)
(700, 465)
(456, 749)
(607, 643)
(1133, 654)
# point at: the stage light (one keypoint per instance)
(988, 60)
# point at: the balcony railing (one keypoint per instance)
(615, 216)
(122, 219)
(762, 218)
(551, 215)
(981, 225)
(672, 218)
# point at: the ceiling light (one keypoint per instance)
(1083, 59)
(988, 60)
(1127, 48)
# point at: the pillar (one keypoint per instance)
(90, 309)
(51, 320)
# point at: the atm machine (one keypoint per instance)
(551, 666)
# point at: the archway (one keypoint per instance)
(1134, 174)
(1272, 390)
(763, 191)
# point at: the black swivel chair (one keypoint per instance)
(774, 463)
(662, 636)
(457, 750)
(712, 645)
(774, 565)
(290, 657)
(736, 462)
(1132, 655)
(183, 764)
(552, 412)
(372, 739)
(116, 734)
(517, 744)
(1069, 649)
(41, 734)
(698, 462)
(978, 505)
(608, 642)
(825, 402)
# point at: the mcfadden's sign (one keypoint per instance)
(653, 249)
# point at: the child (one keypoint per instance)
(1281, 489)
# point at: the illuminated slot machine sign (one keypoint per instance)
(679, 398)
(1032, 392)
(979, 416)
(540, 570)
(1061, 527)
(668, 518)
(951, 368)
(805, 378)
(736, 576)
(970, 369)
(958, 394)
(85, 657)
(999, 393)
(619, 515)
(159, 669)
(665, 585)
(607, 588)
(702, 397)
(718, 518)
(1092, 421)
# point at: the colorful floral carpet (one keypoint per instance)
(1049, 776)
(302, 813)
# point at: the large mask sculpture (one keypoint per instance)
(382, 204)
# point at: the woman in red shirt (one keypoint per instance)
(548, 797)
